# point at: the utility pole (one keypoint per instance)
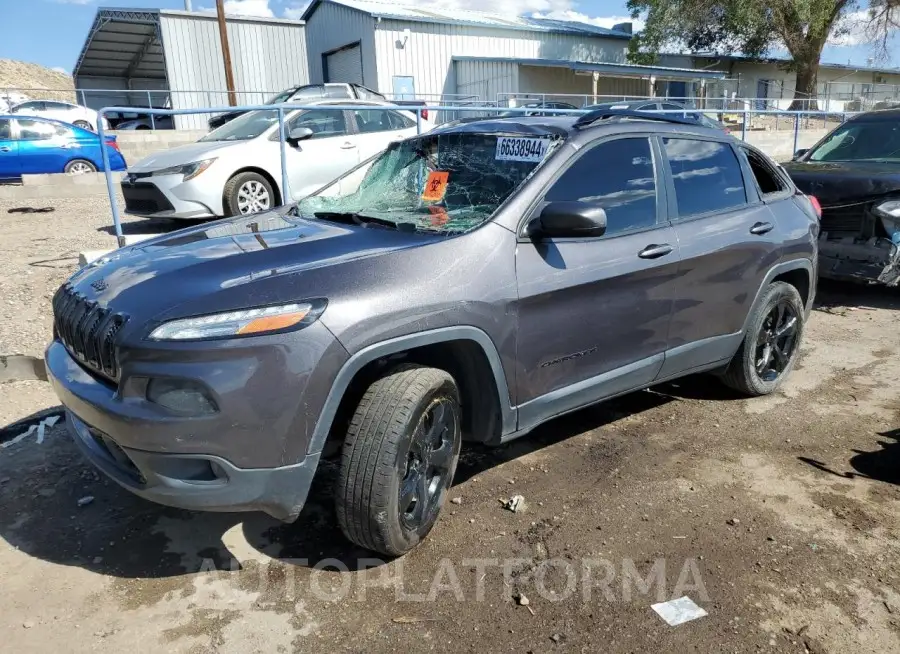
(226, 53)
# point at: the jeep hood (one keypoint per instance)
(233, 263)
(845, 182)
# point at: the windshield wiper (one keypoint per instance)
(364, 220)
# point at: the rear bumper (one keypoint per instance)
(197, 482)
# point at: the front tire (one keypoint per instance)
(399, 458)
(771, 342)
(83, 124)
(79, 167)
(247, 193)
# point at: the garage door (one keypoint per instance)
(344, 66)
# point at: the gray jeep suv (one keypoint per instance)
(464, 285)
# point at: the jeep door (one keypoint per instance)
(728, 239)
(594, 312)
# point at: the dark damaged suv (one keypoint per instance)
(465, 285)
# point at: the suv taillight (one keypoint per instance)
(816, 205)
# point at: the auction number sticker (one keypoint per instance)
(521, 149)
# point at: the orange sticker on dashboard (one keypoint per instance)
(436, 186)
(439, 216)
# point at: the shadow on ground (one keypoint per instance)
(121, 535)
(880, 465)
(832, 296)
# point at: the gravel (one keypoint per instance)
(39, 251)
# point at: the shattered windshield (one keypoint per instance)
(860, 141)
(450, 182)
(245, 127)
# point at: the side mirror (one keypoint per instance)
(299, 134)
(568, 220)
(800, 153)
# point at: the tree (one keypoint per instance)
(753, 27)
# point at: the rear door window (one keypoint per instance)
(706, 175)
(618, 176)
(768, 180)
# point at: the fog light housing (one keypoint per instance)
(181, 396)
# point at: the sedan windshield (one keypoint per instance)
(860, 141)
(245, 127)
(438, 182)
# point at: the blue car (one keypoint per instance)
(31, 146)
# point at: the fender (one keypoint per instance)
(378, 350)
(780, 269)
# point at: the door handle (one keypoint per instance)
(762, 228)
(348, 146)
(655, 251)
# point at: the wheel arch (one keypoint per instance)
(467, 353)
(799, 273)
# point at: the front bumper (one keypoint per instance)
(252, 453)
(197, 482)
(168, 197)
(875, 260)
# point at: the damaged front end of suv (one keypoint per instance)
(861, 241)
(854, 172)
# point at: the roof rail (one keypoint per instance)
(590, 118)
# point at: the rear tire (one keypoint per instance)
(771, 342)
(399, 458)
(79, 167)
(247, 193)
(83, 124)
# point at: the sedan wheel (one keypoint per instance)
(253, 197)
(80, 167)
(247, 193)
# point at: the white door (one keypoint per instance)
(378, 128)
(329, 153)
(61, 111)
(345, 65)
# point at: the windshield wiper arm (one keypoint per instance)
(364, 220)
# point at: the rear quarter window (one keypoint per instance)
(706, 175)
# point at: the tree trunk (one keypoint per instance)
(805, 91)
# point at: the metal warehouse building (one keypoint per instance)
(179, 54)
(440, 55)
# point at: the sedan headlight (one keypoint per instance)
(889, 212)
(190, 171)
(246, 322)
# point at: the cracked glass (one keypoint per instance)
(448, 183)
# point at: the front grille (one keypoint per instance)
(144, 198)
(88, 330)
(845, 219)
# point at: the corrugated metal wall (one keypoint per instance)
(428, 53)
(266, 56)
(486, 79)
(334, 26)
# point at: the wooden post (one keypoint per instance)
(226, 53)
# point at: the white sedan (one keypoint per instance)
(236, 169)
(62, 111)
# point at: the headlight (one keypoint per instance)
(190, 171)
(888, 209)
(889, 212)
(247, 322)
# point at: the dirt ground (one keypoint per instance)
(779, 516)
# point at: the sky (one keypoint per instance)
(51, 32)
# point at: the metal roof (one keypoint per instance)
(469, 18)
(123, 43)
(787, 60)
(127, 42)
(611, 69)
